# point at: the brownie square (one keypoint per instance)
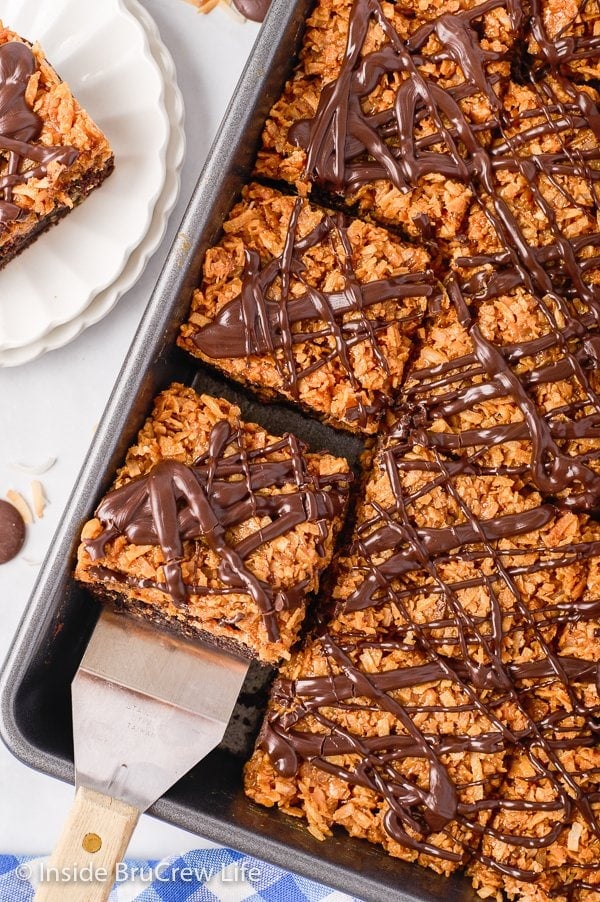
(509, 382)
(51, 153)
(296, 301)
(214, 528)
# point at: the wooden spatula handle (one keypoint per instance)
(94, 839)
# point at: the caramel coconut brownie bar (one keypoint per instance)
(368, 734)
(543, 844)
(409, 114)
(351, 121)
(399, 720)
(544, 841)
(51, 153)
(510, 380)
(509, 372)
(299, 302)
(215, 528)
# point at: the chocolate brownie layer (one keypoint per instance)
(216, 528)
(51, 153)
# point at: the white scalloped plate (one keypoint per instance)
(102, 50)
(104, 302)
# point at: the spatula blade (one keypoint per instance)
(147, 706)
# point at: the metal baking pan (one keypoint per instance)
(35, 715)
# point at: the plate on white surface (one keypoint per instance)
(104, 301)
(103, 52)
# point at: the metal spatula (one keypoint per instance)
(147, 707)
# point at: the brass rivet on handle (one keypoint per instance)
(91, 843)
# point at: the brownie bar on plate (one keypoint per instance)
(51, 153)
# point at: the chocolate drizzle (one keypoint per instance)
(460, 599)
(347, 146)
(226, 487)
(287, 740)
(495, 658)
(20, 127)
(254, 324)
(514, 372)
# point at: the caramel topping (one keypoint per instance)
(394, 562)
(253, 323)
(226, 487)
(428, 130)
(346, 146)
(19, 129)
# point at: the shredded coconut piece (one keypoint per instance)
(17, 500)
(574, 837)
(34, 469)
(207, 6)
(39, 498)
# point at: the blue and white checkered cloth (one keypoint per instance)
(201, 875)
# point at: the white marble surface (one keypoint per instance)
(49, 408)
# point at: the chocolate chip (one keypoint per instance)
(12, 532)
